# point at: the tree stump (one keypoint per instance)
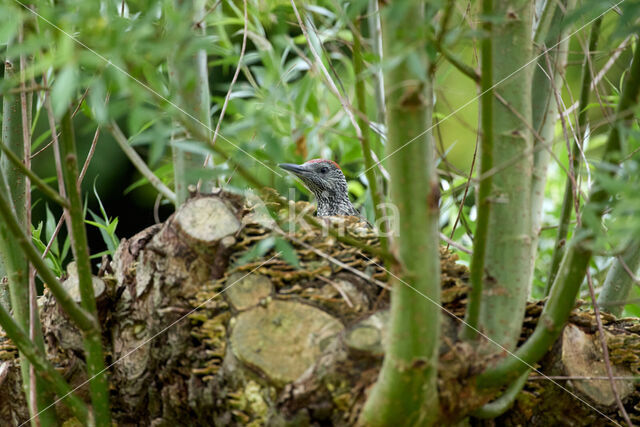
(204, 324)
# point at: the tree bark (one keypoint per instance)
(196, 337)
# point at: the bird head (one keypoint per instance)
(325, 180)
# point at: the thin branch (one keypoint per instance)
(35, 393)
(206, 13)
(458, 63)
(94, 354)
(338, 288)
(605, 351)
(56, 135)
(372, 179)
(85, 166)
(375, 31)
(464, 196)
(233, 80)
(509, 163)
(33, 178)
(571, 195)
(332, 259)
(54, 139)
(80, 317)
(581, 378)
(483, 204)
(631, 274)
(137, 161)
(44, 367)
(455, 244)
(332, 87)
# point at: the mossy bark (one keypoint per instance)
(195, 335)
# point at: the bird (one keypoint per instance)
(325, 180)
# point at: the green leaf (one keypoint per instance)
(63, 90)
(287, 252)
(50, 228)
(256, 251)
(36, 231)
(355, 188)
(96, 98)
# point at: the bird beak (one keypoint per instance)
(296, 169)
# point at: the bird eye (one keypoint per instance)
(324, 169)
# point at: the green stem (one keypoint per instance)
(619, 280)
(553, 317)
(484, 187)
(375, 32)
(98, 384)
(546, 87)
(406, 388)
(15, 131)
(191, 79)
(459, 63)
(372, 179)
(453, 60)
(39, 396)
(575, 261)
(507, 253)
(16, 234)
(506, 400)
(541, 32)
(35, 179)
(568, 199)
(44, 368)
(142, 167)
(14, 188)
(444, 21)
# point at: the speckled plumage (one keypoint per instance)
(325, 180)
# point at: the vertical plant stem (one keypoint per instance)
(483, 206)
(98, 385)
(406, 387)
(46, 371)
(605, 351)
(372, 179)
(508, 241)
(16, 234)
(547, 80)
(568, 200)
(576, 259)
(191, 79)
(620, 280)
(375, 33)
(39, 395)
(15, 187)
